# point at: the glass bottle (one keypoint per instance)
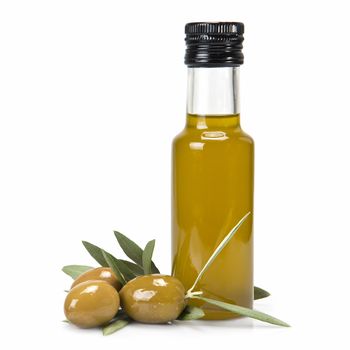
(212, 172)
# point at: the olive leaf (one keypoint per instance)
(75, 270)
(126, 268)
(127, 273)
(132, 250)
(96, 253)
(111, 260)
(191, 313)
(115, 326)
(147, 257)
(134, 268)
(240, 310)
(260, 293)
(123, 273)
(216, 252)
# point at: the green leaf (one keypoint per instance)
(132, 250)
(260, 293)
(191, 313)
(111, 261)
(147, 257)
(123, 268)
(218, 249)
(123, 265)
(115, 326)
(240, 310)
(96, 253)
(135, 269)
(75, 270)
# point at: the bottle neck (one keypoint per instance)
(213, 92)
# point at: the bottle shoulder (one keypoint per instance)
(236, 135)
(180, 136)
(246, 137)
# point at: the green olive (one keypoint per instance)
(153, 298)
(99, 274)
(91, 304)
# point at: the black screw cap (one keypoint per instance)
(214, 44)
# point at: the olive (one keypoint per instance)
(153, 298)
(99, 274)
(91, 304)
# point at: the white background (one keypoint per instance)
(92, 93)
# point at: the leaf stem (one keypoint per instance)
(219, 248)
(193, 294)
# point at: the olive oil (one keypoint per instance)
(212, 191)
(212, 184)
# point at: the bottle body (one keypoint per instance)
(212, 189)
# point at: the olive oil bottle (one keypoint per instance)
(212, 171)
